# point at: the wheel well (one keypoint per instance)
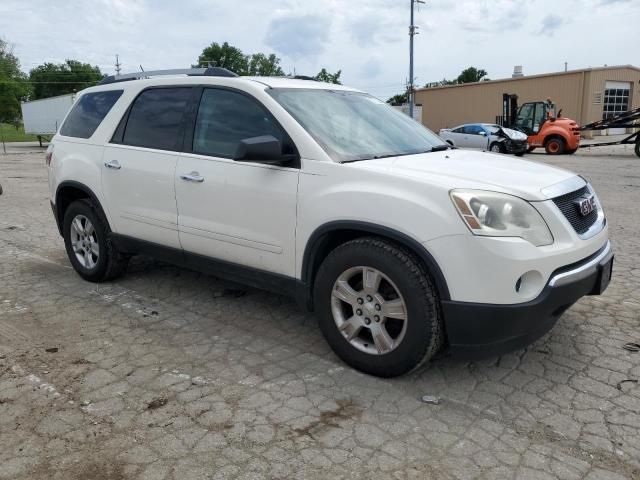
(66, 195)
(322, 244)
(554, 135)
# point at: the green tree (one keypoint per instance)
(225, 56)
(399, 98)
(324, 76)
(472, 74)
(13, 85)
(50, 80)
(264, 65)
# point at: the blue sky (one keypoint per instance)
(368, 40)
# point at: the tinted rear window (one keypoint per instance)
(88, 112)
(155, 119)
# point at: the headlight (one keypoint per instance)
(499, 215)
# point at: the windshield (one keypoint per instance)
(353, 126)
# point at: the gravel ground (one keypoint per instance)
(167, 373)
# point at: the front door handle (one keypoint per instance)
(192, 177)
(113, 164)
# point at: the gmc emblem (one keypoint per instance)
(586, 205)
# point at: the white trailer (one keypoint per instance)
(43, 117)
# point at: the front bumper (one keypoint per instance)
(476, 330)
(516, 146)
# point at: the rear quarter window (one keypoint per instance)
(88, 112)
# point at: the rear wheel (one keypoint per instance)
(571, 152)
(86, 239)
(555, 146)
(377, 307)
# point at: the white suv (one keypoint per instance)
(400, 243)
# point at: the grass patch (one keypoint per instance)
(10, 134)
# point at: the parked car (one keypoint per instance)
(486, 136)
(399, 243)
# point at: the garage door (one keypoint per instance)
(616, 101)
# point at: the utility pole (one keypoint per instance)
(412, 33)
(118, 64)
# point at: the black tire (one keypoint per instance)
(555, 146)
(500, 147)
(110, 263)
(423, 336)
(571, 152)
(638, 148)
(530, 149)
(520, 154)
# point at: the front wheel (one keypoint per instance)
(377, 307)
(497, 148)
(571, 152)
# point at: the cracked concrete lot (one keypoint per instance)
(169, 374)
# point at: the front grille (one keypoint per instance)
(572, 213)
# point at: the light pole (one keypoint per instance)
(412, 33)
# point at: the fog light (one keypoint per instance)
(529, 284)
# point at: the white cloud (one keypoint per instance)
(366, 39)
(299, 36)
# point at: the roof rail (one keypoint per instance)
(205, 72)
(304, 77)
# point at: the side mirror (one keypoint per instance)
(482, 133)
(263, 149)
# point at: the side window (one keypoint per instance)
(472, 129)
(540, 117)
(524, 120)
(458, 130)
(155, 119)
(88, 112)
(226, 117)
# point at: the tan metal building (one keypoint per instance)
(584, 95)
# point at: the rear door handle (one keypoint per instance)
(113, 164)
(192, 177)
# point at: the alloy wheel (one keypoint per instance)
(369, 310)
(84, 242)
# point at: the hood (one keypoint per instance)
(514, 134)
(479, 170)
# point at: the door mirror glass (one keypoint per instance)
(264, 149)
(482, 132)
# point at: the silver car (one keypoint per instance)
(486, 136)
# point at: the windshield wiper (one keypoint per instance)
(441, 148)
(386, 155)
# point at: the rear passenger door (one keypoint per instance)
(239, 212)
(139, 166)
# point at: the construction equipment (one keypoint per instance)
(630, 119)
(542, 125)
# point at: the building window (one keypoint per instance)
(616, 101)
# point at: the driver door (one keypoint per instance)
(238, 212)
(475, 137)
